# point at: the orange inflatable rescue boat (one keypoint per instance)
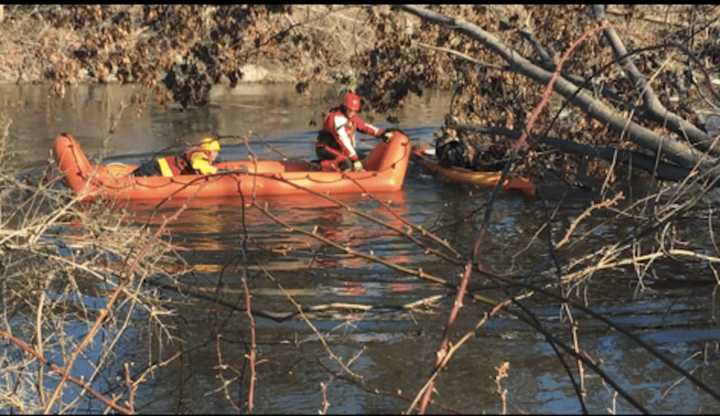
(485, 179)
(385, 168)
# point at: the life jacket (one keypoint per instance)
(328, 136)
(180, 164)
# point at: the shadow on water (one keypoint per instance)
(225, 239)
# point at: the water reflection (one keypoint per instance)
(211, 226)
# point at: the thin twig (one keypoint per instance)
(253, 348)
(65, 373)
(444, 344)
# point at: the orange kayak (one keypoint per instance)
(385, 168)
(472, 177)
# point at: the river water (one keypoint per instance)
(394, 350)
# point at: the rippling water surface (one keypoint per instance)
(394, 349)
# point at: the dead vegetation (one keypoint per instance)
(499, 61)
(73, 290)
(180, 51)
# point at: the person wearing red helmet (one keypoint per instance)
(335, 145)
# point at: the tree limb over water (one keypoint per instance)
(679, 152)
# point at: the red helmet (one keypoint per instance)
(352, 101)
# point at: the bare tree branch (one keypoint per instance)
(651, 103)
(679, 152)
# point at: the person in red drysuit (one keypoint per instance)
(335, 145)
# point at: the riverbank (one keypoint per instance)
(20, 48)
(143, 44)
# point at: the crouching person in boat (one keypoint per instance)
(479, 153)
(335, 145)
(197, 160)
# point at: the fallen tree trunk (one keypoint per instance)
(681, 153)
(651, 103)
